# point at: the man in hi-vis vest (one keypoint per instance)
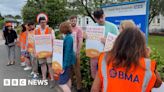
(44, 29)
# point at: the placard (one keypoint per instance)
(109, 42)
(31, 42)
(94, 46)
(43, 45)
(57, 60)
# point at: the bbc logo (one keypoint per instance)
(14, 82)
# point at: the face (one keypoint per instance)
(27, 27)
(73, 22)
(9, 27)
(43, 23)
(101, 20)
(32, 27)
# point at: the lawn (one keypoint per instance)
(157, 42)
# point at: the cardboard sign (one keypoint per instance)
(31, 42)
(94, 46)
(43, 46)
(109, 41)
(57, 60)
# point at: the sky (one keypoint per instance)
(12, 7)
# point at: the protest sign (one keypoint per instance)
(57, 60)
(94, 46)
(109, 41)
(43, 45)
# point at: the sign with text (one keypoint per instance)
(57, 60)
(109, 42)
(43, 45)
(31, 42)
(94, 46)
(136, 11)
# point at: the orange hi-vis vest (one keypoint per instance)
(46, 31)
(23, 41)
(142, 79)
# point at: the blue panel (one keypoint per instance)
(140, 20)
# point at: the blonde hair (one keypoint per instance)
(125, 24)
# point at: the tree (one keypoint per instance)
(55, 9)
(17, 17)
(86, 7)
(156, 8)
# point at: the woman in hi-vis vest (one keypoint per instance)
(125, 68)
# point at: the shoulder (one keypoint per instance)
(110, 24)
(68, 37)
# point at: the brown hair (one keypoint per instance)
(65, 28)
(128, 48)
(73, 17)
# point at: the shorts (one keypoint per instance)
(25, 54)
(45, 60)
(32, 58)
(64, 78)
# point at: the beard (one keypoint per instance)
(73, 25)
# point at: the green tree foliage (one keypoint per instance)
(156, 8)
(1, 21)
(55, 9)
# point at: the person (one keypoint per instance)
(24, 47)
(127, 67)
(44, 29)
(68, 58)
(109, 27)
(79, 40)
(30, 50)
(10, 39)
(126, 24)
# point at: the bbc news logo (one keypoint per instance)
(24, 82)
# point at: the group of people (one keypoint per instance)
(126, 68)
(29, 59)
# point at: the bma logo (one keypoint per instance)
(122, 75)
(113, 73)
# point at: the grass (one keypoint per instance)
(157, 42)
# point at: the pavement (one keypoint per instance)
(17, 72)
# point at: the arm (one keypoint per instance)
(158, 81)
(80, 40)
(96, 84)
